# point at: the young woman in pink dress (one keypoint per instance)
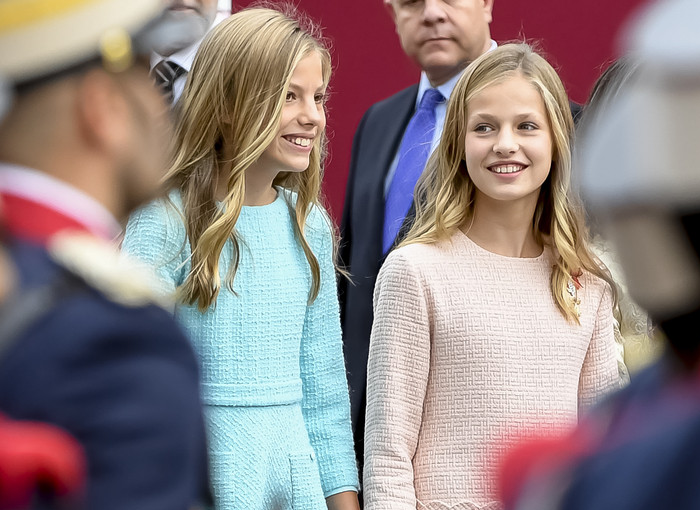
(493, 319)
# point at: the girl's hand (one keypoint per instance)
(343, 501)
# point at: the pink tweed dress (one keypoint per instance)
(469, 353)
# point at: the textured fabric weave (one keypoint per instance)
(468, 354)
(262, 345)
(264, 478)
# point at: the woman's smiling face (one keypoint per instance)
(508, 145)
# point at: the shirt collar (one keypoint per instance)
(60, 196)
(185, 57)
(447, 87)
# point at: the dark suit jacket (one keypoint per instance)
(375, 144)
(122, 380)
(374, 147)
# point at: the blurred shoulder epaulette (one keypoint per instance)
(101, 265)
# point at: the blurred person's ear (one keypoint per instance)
(103, 113)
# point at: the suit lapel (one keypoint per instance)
(392, 131)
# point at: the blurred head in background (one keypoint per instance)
(442, 37)
(198, 14)
(618, 77)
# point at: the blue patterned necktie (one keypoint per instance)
(413, 155)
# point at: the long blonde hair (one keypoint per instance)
(234, 96)
(445, 192)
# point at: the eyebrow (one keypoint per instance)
(298, 87)
(492, 118)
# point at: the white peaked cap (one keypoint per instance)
(39, 38)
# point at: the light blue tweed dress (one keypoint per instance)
(273, 375)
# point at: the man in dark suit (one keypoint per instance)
(83, 343)
(442, 38)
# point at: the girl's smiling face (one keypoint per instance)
(303, 119)
(508, 146)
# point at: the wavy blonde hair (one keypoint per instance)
(234, 96)
(445, 192)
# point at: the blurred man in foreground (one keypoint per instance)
(640, 170)
(82, 343)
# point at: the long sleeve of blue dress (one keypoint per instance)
(156, 236)
(326, 401)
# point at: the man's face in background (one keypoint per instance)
(442, 36)
(200, 13)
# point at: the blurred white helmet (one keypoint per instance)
(639, 161)
(645, 146)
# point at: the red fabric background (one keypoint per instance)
(579, 38)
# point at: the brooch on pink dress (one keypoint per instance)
(572, 287)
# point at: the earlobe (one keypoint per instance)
(99, 113)
(488, 10)
(87, 113)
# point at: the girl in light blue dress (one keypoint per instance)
(243, 242)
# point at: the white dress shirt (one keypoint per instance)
(184, 59)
